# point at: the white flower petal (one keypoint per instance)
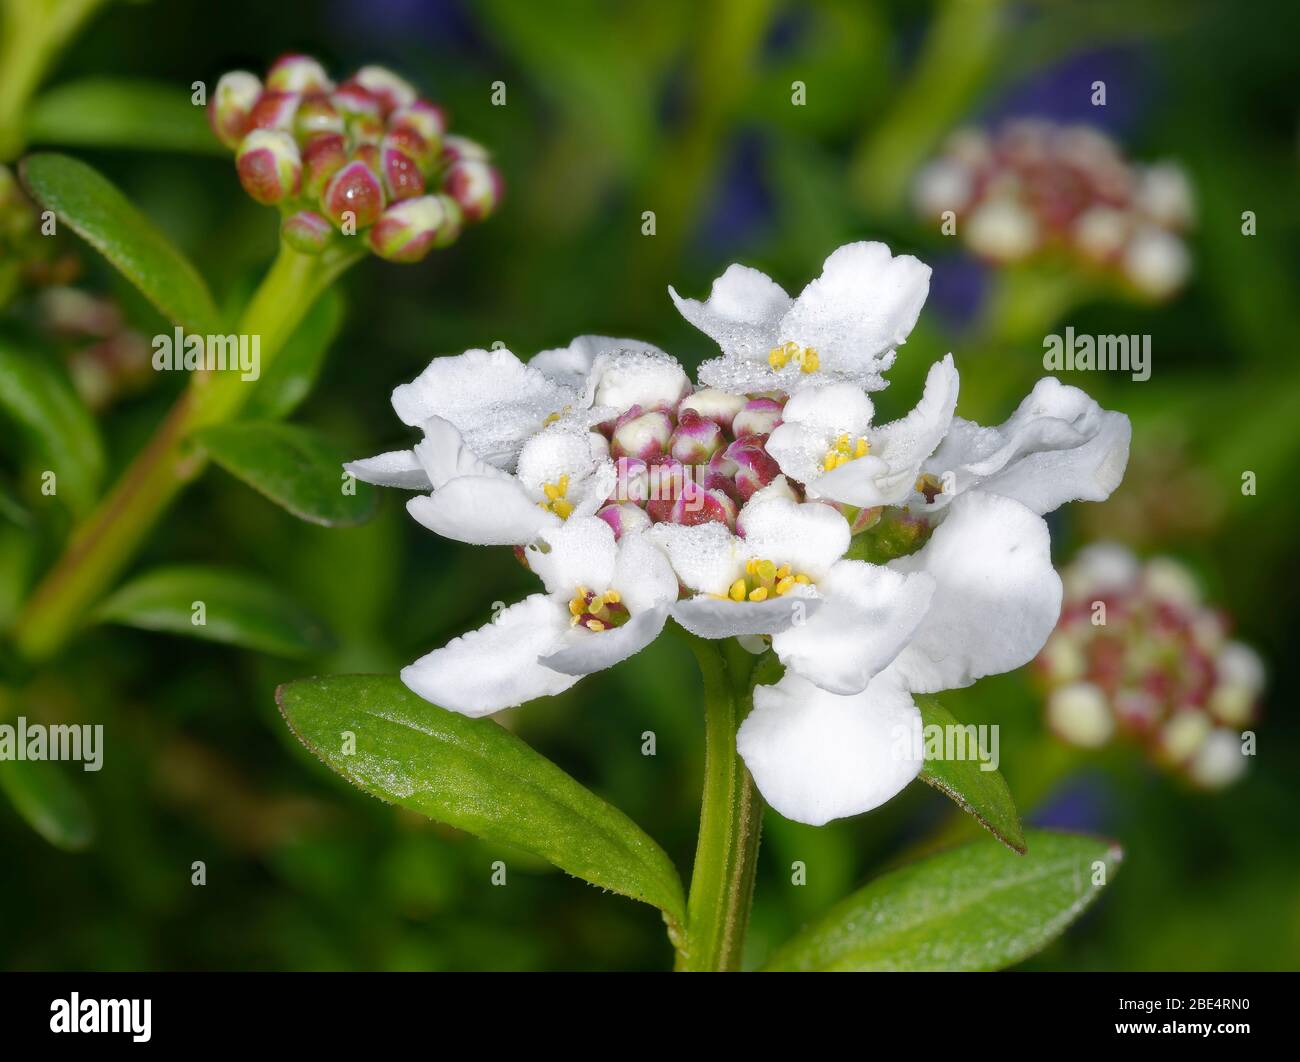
(864, 304)
(706, 557)
(741, 313)
(809, 536)
(482, 510)
(1058, 446)
(867, 615)
(817, 757)
(638, 376)
(555, 451)
(578, 552)
(996, 599)
(397, 468)
(496, 666)
(811, 422)
(490, 395)
(720, 617)
(642, 575)
(569, 366)
(444, 456)
(582, 651)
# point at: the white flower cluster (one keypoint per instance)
(731, 509)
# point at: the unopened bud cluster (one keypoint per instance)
(689, 460)
(1035, 189)
(107, 359)
(1137, 653)
(367, 158)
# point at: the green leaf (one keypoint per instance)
(294, 467)
(36, 394)
(977, 907)
(101, 215)
(49, 802)
(983, 794)
(122, 113)
(238, 609)
(293, 372)
(475, 775)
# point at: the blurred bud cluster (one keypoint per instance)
(1035, 189)
(34, 260)
(366, 158)
(1137, 652)
(107, 359)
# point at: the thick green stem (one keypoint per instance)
(731, 818)
(107, 539)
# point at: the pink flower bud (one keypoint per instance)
(641, 434)
(401, 170)
(633, 483)
(298, 73)
(351, 100)
(391, 91)
(355, 189)
(698, 505)
(695, 439)
(316, 116)
(231, 106)
(268, 165)
(322, 158)
(755, 467)
(759, 417)
(476, 186)
(275, 110)
(408, 230)
(426, 120)
(666, 479)
(406, 139)
(459, 148)
(625, 518)
(306, 231)
(365, 129)
(455, 224)
(720, 407)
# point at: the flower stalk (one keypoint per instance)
(107, 539)
(731, 814)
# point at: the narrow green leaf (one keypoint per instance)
(236, 609)
(294, 467)
(49, 802)
(294, 371)
(122, 113)
(976, 907)
(93, 208)
(478, 777)
(37, 396)
(978, 792)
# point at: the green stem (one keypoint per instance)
(107, 539)
(731, 818)
(32, 33)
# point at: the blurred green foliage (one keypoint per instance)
(685, 109)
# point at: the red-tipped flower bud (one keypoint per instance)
(641, 434)
(624, 518)
(409, 230)
(391, 91)
(475, 185)
(401, 171)
(755, 467)
(458, 148)
(306, 231)
(298, 73)
(231, 106)
(759, 417)
(354, 190)
(426, 120)
(268, 165)
(316, 117)
(351, 99)
(322, 158)
(695, 439)
(275, 110)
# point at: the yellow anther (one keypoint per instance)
(842, 444)
(783, 571)
(562, 509)
(737, 591)
(802, 579)
(612, 597)
(758, 594)
(783, 585)
(843, 451)
(577, 606)
(765, 570)
(751, 565)
(778, 357)
(862, 448)
(808, 360)
(595, 625)
(552, 491)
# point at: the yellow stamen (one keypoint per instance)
(595, 625)
(809, 361)
(612, 597)
(759, 594)
(783, 571)
(737, 591)
(562, 509)
(784, 585)
(802, 579)
(845, 450)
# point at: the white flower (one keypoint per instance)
(564, 471)
(604, 602)
(827, 442)
(833, 620)
(1058, 446)
(817, 756)
(844, 326)
(497, 402)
